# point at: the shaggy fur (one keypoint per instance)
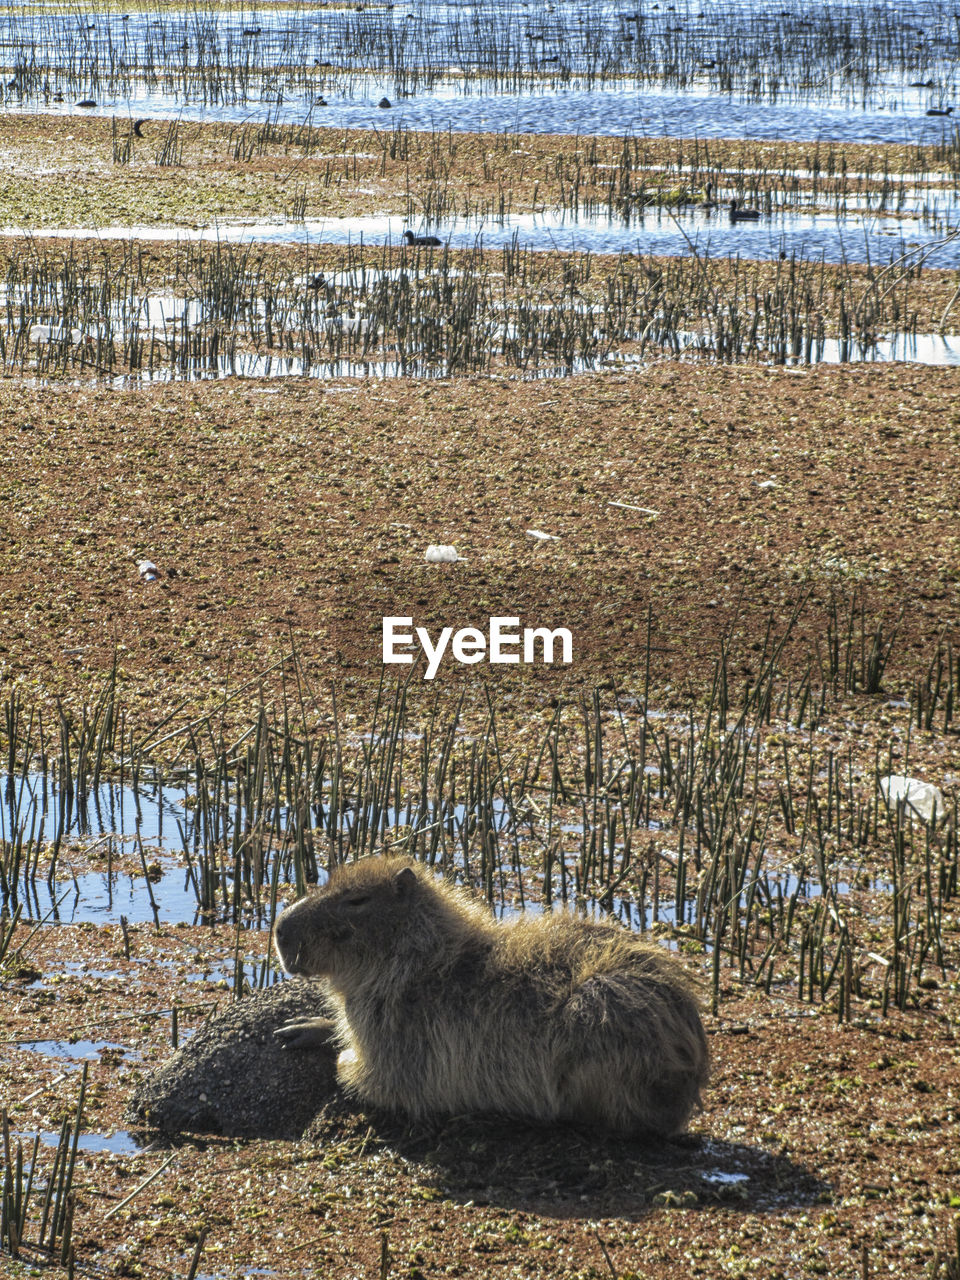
(440, 1010)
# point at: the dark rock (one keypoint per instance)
(233, 1077)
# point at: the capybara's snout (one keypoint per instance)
(287, 941)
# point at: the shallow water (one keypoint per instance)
(74, 1051)
(120, 1143)
(165, 823)
(922, 348)
(109, 809)
(93, 906)
(909, 348)
(251, 365)
(688, 229)
(617, 112)
(101, 899)
(642, 917)
(844, 56)
(917, 348)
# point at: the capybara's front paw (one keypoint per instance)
(306, 1033)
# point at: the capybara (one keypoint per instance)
(441, 1010)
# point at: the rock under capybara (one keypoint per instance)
(441, 1010)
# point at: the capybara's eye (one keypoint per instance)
(358, 900)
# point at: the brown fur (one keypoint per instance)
(442, 1011)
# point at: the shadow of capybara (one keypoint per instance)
(441, 1010)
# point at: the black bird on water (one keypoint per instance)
(743, 215)
(939, 111)
(410, 238)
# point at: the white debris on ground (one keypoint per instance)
(632, 506)
(920, 799)
(441, 553)
(52, 333)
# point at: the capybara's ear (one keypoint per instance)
(404, 881)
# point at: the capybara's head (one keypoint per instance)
(375, 907)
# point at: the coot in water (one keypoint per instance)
(743, 215)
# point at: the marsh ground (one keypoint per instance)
(267, 502)
(696, 500)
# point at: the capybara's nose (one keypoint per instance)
(281, 932)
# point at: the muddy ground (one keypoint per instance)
(289, 513)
